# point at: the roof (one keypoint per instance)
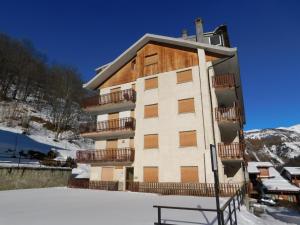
(292, 170)
(131, 51)
(253, 166)
(277, 183)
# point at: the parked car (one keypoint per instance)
(267, 201)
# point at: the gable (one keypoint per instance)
(154, 58)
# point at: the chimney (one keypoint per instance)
(199, 30)
(184, 34)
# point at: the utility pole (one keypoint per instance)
(214, 166)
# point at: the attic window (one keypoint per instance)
(215, 40)
(151, 59)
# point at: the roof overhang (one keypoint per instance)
(131, 52)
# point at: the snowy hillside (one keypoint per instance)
(279, 145)
(37, 136)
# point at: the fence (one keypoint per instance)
(98, 185)
(192, 189)
(227, 212)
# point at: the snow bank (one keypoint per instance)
(76, 207)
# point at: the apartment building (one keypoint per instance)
(160, 105)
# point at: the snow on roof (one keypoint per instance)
(253, 166)
(131, 51)
(277, 183)
(293, 170)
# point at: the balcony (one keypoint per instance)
(111, 156)
(233, 151)
(111, 102)
(223, 81)
(116, 128)
(224, 86)
(228, 114)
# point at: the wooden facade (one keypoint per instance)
(156, 58)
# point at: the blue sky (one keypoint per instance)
(87, 34)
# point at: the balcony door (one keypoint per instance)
(113, 121)
(111, 146)
(115, 94)
(107, 174)
(129, 176)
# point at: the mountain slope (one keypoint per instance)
(278, 145)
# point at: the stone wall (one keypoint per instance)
(33, 177)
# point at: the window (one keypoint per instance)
(215, 39)
(150, 174)
(186, 105)
(107, 174)
(184, 76)
(189, 174)
(151, 83)
(187, 138)
(112, 143)
(151, 111)
(151, 141)
(151, 59)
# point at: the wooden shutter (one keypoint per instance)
(187, 138)
(151, 83)
(264, 171)
(133, 86)
(184, 76)
(131, 142)
(115, 89)
(189, 174)
(151, 111)
(107, 174)
(151, 141)
(151, 59)
(186, 105)
(113, 116)
(113, 143)
(150, 174)
(113, 122)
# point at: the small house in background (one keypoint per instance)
(266, 180)
(292, 174)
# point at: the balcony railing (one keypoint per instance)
(127, 123)
(223, 81)
(110, 155)
(113, 97)
(231, 151)
(228, 114)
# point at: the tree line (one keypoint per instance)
(25, 76)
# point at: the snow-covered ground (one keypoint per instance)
(78, 206)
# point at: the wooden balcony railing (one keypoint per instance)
(105, 155)
(127, 123)
(231, 151)
(228, 114)
(223, 81)
(172, 188)
(113, 97)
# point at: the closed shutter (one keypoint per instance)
(186, 105)
(107, 174)
(113, 143)
(151, 64)
(150, 174)
(113, 122)
(187, 138)
(264, 171)
(151, 111)
(115, 94)
(151, 141)
(184, 76)
(151, 83)
(189, 174)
